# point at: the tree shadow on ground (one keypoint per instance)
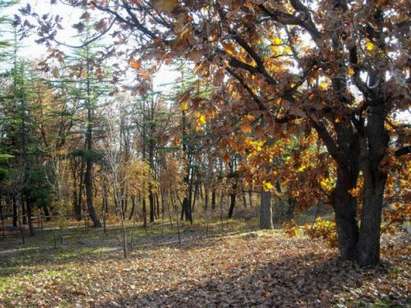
(39, 252)
(300, 281)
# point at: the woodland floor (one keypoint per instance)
(232, 266)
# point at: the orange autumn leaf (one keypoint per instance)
(136, 64)
(246, 128)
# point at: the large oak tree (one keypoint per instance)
(338, 67)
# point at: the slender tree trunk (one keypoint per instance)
(144, 212)
(80, 203)
(213, 199)
(291, 207)
(29, 208)
(151, 203)
(196, 195)
(15, 212)
(125, 203)
(266, 214)
(124, 235)
(2, 217)
(104, 209)
(89, 147)
(205, 198)
(163, 202)
(46, 212)
(157, 205)
(89, 195)
(133, 206)
(232, 205)
(23, 213)
(250, 198)
(20, 219)
(76, 199)
(244, 199)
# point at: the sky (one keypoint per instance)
(31, 50)
(163, 79)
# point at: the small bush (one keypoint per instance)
(322, 229)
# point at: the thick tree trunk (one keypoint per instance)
(346, 152)
(266, 214)
(187, 210)
(374, 184)
(345, 207)
(368, 248)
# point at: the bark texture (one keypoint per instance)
(266, 214)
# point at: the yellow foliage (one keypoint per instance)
(370, 46)
(327, 184)
(302, 168)
(324, 85)
(277, 41)
(287, 50)
(322, 229)
(267, 186)
(184, 106)
(255, 145)
(201, 119)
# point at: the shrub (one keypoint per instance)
(322, 229)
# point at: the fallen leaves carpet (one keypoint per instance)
(264, 269)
